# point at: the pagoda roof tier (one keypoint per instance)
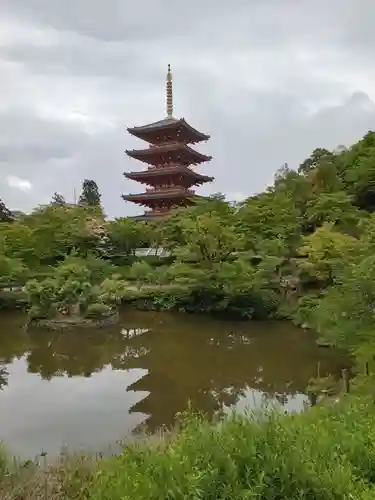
(169, 153)
(156, 175)
(175, 193)
(171, 127)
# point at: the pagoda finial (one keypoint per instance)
(169, 93)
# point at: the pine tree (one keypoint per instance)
(5, 213)
(58, 199)
(90, 194)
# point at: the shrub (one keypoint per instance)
(97, 310)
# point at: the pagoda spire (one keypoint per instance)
(169, 92)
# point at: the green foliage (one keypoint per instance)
(42, 297)
(327, 453)
(335, 208)
(207, 239)
(126, 235)
(140, 271)
(270, 222)
(305, 314)
(97, 310)
(11, 270)
(112, 290)
(90, 195)
(58, 199)
(324, 251)
(5, 213)
(70, 288)
(346, 313)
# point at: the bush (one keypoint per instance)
(97, 310)
(36, 312)
(326, 453)
(99, 269)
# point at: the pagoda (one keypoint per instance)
(169, 177)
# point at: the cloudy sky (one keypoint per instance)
(268, 79)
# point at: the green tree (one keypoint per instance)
(126, 235)
(186, 274)
(59, 229)
(140, 271)
(5, 213)
(17, 242)
(345, 314)
(207, 239)
(90, 194)
(335, 207)
(58, 199)
(270, 221)
(70, 288)
(11, 270)
(316, 159)
(325, 252)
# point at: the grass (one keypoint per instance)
(327, 453)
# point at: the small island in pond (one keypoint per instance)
(71, 298)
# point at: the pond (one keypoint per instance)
(88, 389)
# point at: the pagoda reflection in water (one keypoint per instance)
(177, 360)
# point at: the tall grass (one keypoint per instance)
(327, 453)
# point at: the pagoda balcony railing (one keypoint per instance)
(163, 165)
(167, 143)
(171, 189)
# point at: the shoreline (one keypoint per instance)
(211, 457)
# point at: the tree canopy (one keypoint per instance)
(90, 194)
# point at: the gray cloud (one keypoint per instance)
(269, 80)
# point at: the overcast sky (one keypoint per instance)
(269, 80)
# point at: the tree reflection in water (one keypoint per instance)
(211, 364)
(3, 376)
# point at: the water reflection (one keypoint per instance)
(89, 388)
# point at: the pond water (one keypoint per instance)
(87, 389)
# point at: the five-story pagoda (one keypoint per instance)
(169, 158)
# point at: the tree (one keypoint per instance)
(11, 270)
(5, 213)
(346, 313)
(333, 207)
(56, 230)
(69, 287)
(125, 235)
(207, 239)
(326, 252)
(58, 199)
(17, 242)
(271, 219)
(317, 158)
(90, 195)
(140, 271)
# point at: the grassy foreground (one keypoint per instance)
(325, 453)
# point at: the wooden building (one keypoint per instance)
(169, 178)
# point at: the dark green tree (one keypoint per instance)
(58, 199)
(5, 213)
(90, 194)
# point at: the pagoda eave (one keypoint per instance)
(159, 195)
(158, 175)
(183, 155)
(188, 182)
(152, 131)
